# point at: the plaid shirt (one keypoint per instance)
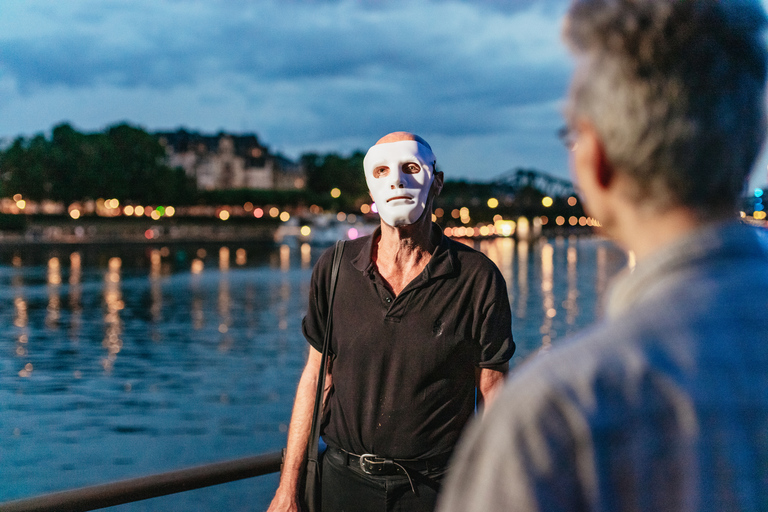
(663, 406)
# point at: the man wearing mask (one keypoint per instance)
(663, 405)
(420, 322)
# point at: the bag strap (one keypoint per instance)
(314, 433)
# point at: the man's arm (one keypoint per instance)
(489, 382)
(287, 498)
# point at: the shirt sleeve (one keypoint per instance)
(313, 324)
(496, 345)
(519, 457)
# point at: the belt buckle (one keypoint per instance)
(370, 464)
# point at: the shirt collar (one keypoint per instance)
(706, 245)
(443, 259)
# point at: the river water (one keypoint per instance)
(118, 362)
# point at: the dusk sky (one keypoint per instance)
(482, 80)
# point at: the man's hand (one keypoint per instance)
(489, 383)
(284, 502)
(286, 497)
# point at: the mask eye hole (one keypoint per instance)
(380, 171)
(411, 168)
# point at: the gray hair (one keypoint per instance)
(675, 89)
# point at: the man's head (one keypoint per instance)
(400, 171)
(674, 91)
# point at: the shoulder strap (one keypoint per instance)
(314, 433)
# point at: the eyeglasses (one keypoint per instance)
(568, 137)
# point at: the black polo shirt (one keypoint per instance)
(404, 367)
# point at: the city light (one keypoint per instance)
(305, 230)
(464, 215)
(335, 193)
(258, 213)
(74, 213)
(547, 201)
(224, 215)
(285, 216)
(572, 201)
(505, 228)
(493, 203)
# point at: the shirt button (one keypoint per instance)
(388, 300)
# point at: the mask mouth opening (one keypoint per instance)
(400, 198)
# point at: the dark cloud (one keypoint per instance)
(266, 46)
(83, 61)
(303, 72)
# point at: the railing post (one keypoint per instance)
(153, 486)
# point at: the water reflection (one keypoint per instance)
(241, 257)
(224, 259)
(522, 279)
(225, 317)
(571, 305)
(113, 328)
(75, 296)
(285, 257)
(54, 299)
(306, 255)
(94, 401)
(548, 297)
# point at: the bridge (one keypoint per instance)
(517, 180)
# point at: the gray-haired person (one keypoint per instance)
(663, 404)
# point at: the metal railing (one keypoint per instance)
(153, 486)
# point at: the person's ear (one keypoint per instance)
(591, 162)
(438, 181)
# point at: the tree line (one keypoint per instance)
(122, 162)
(128, 163)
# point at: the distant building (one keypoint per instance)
(225, 161)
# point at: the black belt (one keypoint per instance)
(376, 465)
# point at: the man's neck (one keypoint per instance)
(645, 231)
(401, 253)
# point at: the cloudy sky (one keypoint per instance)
(482, 80)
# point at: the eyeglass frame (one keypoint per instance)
(568, 136)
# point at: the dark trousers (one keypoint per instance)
(346, 488)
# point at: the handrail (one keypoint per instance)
(153, 486)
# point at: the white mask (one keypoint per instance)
(399, 176)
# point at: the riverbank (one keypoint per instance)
(25, 230)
